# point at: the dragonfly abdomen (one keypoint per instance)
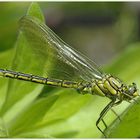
(38, 79)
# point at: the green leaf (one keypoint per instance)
(128, 62)
(67, 105)
(35, 11)
(5, 57)
(128, 127)
(19, 93)
(23, 61)
(31, 116)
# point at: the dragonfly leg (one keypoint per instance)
(80, 90)
(102, 114)
(117, 103)
(118, 117)
(104, 123)
(84, 88)
(115, 114)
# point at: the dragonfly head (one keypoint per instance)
(131, 92)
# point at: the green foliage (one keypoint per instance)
(61, 113)
(128, 62)
(128, 127)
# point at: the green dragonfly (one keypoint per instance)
(74, 70)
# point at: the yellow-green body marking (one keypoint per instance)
(37, 79)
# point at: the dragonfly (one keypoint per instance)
(73, 69)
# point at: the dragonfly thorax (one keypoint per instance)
(112, 87)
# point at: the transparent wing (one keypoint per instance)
(62, 61)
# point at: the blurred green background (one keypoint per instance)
(106, 32)
(99, 30)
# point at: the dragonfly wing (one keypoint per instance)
(68, 63)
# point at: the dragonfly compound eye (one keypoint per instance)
(132, 90)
